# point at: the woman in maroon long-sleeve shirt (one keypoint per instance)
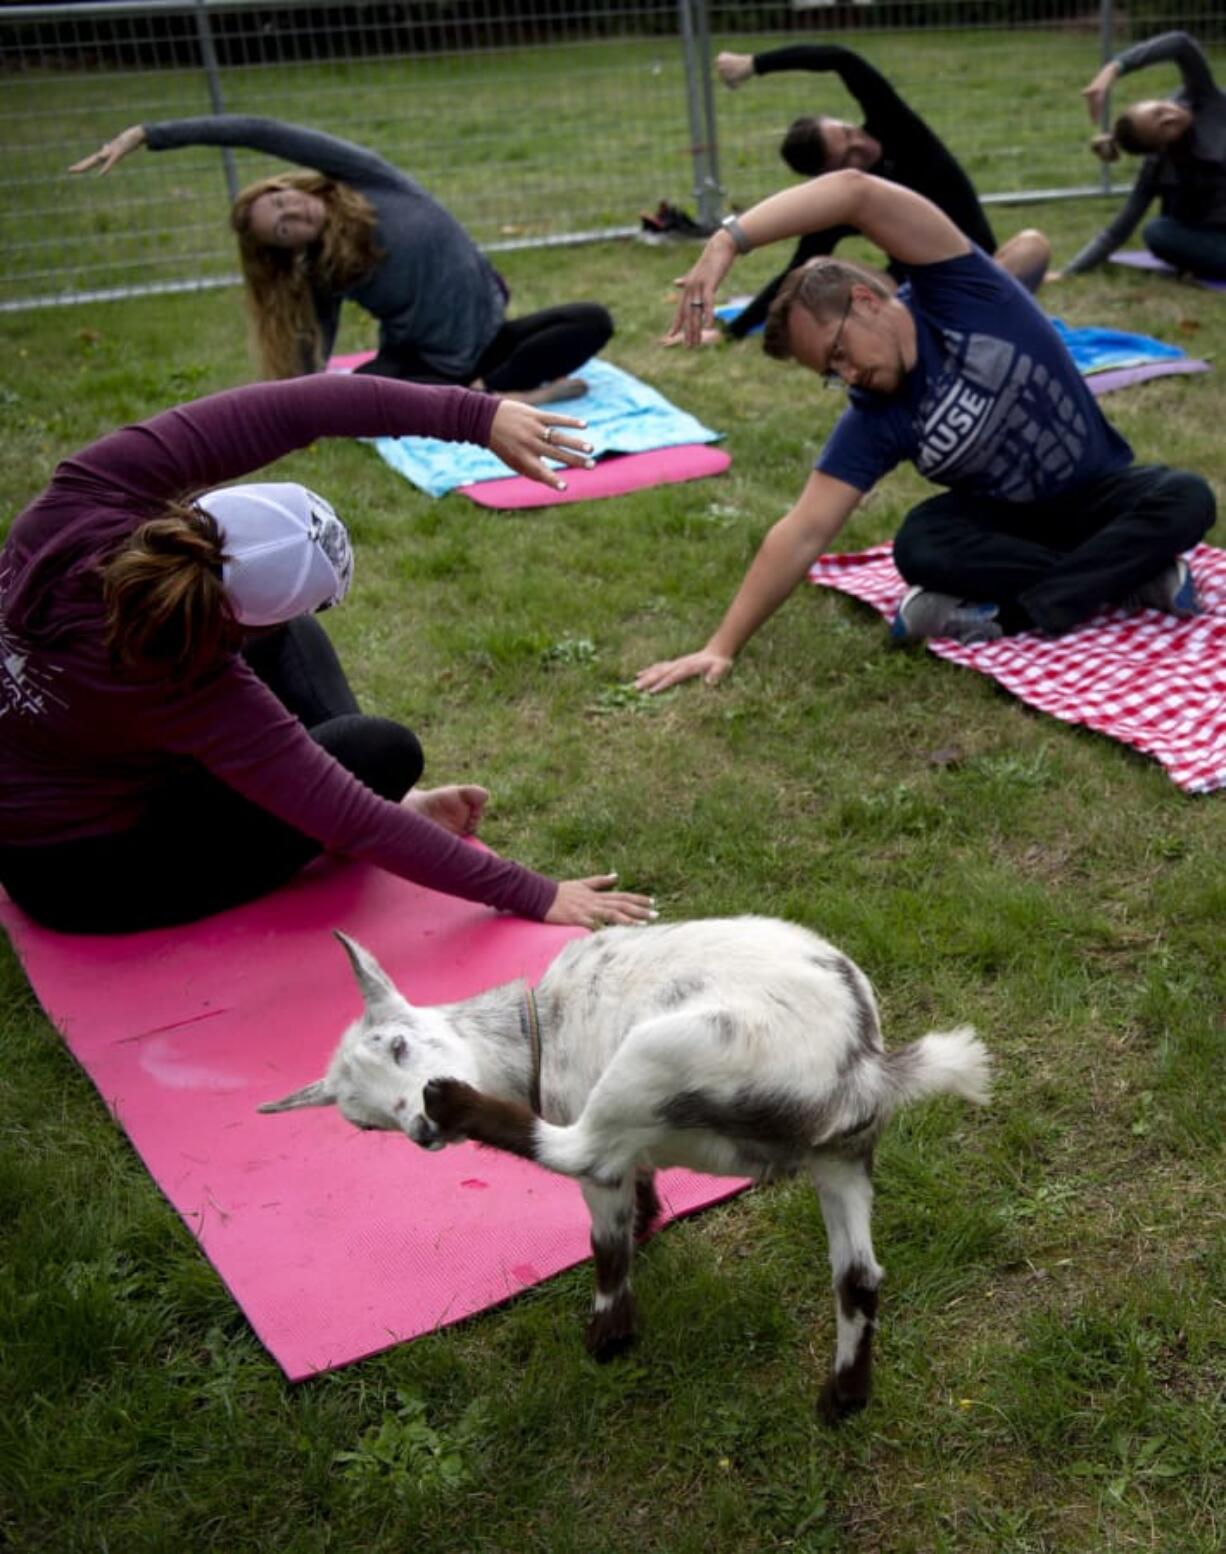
(159, 759)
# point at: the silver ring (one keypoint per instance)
(697, 304)
(548, 434)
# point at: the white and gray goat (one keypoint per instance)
(739, 1046)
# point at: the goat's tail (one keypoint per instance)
(942, 1063)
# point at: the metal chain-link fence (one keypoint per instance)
(534, 121)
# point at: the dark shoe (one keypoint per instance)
(923, 614)
(1173, 590)
(668, 223)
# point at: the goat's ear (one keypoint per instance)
(317, 1094)
(379, 992)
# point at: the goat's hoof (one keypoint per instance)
(612, 1332)
(838, 1402)
(448, 1103)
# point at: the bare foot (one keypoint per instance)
(707, 337)
(457, 808)
(549, 393)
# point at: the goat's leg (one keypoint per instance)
(611, 1327)
(845, 1189)
(578, 1150)
(618, 1125)
(457, 1108)
(646, 1202)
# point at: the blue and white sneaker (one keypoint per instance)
(923, 613)
(1173, 590)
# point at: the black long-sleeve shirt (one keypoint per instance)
(911, 155)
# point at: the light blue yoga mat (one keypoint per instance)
(623, 415)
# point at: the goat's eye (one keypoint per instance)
(399, 1049)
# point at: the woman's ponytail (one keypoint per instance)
(165, 601)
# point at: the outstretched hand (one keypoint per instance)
(709, 336)
(1095, 94)
(523, 437)
(733, 69)
(113, 151)
(695, 316)
(711, 667)
(590, 903)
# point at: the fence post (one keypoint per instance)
(208, 57)
(704, 149)
(1106, 49)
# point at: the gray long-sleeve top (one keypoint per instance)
(1189, 179)
(433, 290)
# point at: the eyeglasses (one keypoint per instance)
(828, 375)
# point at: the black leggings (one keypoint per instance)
(1052, 564)
(201, 847)
(525, 352)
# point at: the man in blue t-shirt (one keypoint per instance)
(1045, 516)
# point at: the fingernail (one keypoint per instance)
(561, 486)
(589, 463)
(653, 915)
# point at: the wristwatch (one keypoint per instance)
(737, 233)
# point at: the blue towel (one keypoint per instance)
(1099, 350)
(733, 308)
(623, 415)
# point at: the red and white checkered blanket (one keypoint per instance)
(1145, 678)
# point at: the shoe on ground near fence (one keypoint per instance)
(924, 613)
(1173, 590)
(669, 223)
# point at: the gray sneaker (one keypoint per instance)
(924, 613)
(1173, 590)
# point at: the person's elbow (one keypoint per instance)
(851, 196)
(851, 185)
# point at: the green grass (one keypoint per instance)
(541, 117)
(1050, 1357)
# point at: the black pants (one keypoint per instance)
(202, 847)
(1052, 564)
(525, 352)
(1199, 250)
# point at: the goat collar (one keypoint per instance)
(530, 1025)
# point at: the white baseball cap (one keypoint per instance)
(286, 553)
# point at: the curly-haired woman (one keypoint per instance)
(355, 227)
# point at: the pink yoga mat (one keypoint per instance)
(1142, 259)
(335, 1243)
(1140, 676)
(614, 475)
